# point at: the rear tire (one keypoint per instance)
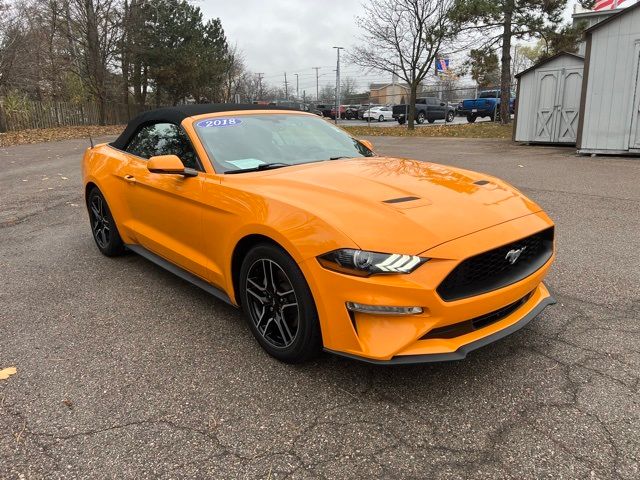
(401, 121)
(278, 305)
(431, 120)
(471, 118)
(420, 118)
(103, 227)
(381, 118)
(450, 117)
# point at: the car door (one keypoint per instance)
(432, 109)
(165, 209)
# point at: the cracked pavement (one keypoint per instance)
(125, 371)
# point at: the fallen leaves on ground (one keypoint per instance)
(470, 130)
(40, 135)
(7, 372)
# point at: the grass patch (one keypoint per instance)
(469, 130)
(40, 135)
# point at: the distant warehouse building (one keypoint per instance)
(548, 100)
(610, 99)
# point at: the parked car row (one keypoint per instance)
(427, 109)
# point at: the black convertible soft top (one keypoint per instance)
(177, 114)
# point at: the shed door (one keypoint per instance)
(634, 140)
(570, 87)
(545, 124)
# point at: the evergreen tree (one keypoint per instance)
(500, 21)
(485, 67)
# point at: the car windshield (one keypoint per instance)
(248, 141)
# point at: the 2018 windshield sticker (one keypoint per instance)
(219, 122)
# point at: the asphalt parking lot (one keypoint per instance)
(125, 371)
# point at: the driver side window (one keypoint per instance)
(163, 139)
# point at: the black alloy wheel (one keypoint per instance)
(278, 305)
(103, 227)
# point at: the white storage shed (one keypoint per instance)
(548, 100)
(610, 102)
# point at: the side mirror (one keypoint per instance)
(169, 164)
(367, 144)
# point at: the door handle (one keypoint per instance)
(130, 179)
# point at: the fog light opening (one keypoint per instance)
(382, 309)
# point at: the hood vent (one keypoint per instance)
(401, 199)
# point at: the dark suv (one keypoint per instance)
(427, 108)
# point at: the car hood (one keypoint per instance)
(396, 205)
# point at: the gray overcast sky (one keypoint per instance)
(293, 36)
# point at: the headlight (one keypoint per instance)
(363, 263)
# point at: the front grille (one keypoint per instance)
(468, 326)
(492, 270)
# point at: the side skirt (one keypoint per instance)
(180, 272)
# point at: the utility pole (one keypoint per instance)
(317, 89)
(286, 87)
(260, 85)
(297, 91)
(338, 84)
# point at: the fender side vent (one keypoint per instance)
(401, 199)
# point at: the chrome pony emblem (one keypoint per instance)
(513, 255)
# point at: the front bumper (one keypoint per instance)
(460, 353)
(415, 338)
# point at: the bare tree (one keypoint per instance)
(404, 37)
(348, 89)
(94, 24)
(12, 40)
(235, 75)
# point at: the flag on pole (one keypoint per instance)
(607, 4)
(442, 66)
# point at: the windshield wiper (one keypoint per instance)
(262, 166)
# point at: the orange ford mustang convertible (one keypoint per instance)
(321, 242)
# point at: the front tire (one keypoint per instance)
(420, 118)
(471, 118)
(431, 120)
(103, 227)
(381, 118)
(278, 305)
(401, 121)
(450, 117)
